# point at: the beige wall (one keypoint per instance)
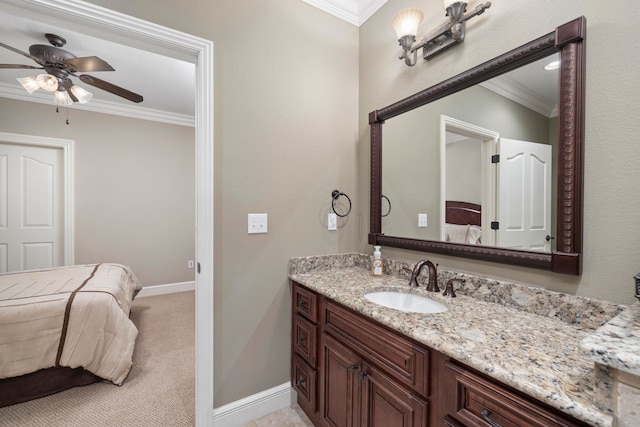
(134, 187)
(612, 201)
(286, 134)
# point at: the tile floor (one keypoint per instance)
(286, 417)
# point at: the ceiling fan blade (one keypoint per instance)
(88, 64)
(18, 51)
(16, 66)
(109, 87)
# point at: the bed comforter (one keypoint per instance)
(70, 316)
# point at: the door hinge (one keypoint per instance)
(495, 225)
(495, 158)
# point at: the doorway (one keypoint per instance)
(454, 131)
(36, 215)
(116, 27)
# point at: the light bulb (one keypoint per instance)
(47, 82)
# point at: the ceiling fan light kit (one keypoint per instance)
(60, 66)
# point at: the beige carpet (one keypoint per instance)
(159, 391)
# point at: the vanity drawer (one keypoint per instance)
(482, 402)
(304, 382)
(305, 303)
(305, 339)
(402, 359)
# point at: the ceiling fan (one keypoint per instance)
(60, 66)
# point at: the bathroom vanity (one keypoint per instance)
(501, 355)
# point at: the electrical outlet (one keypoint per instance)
(422, 220)
(332, 222)
(257, 223)
(190, 263)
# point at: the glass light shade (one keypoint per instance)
(406, 22)
(29, 83)
(47, 82)
(63, 98)
(83, 96)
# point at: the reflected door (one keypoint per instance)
(524, 195)
(31, 208)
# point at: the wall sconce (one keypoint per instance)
(406, 22)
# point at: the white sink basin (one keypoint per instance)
(410, 303)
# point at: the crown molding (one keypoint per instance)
(522, 95)
(355, 12)
(98, 106)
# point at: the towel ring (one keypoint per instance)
(335, 195)
(389, 202)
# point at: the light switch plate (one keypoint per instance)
(257, 223)
(422, 220)
(332, 222)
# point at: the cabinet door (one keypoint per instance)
(340, 392)
(384, 403)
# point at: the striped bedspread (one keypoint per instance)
(69, 316)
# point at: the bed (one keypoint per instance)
(66, 326)
(463, 222)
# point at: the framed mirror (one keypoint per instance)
(445, 203)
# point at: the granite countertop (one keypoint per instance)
(535, 352)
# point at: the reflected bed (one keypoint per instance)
(463, 222)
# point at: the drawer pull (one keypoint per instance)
(485, 414)
(303, 304)
(301, 381)
(301, 340)
(353, 368)
(362, 374)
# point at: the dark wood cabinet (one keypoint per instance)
(350, 371)
(385, 403)
(304, 349)
(339, 398)
(476, 400)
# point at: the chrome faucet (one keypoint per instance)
(432, 285)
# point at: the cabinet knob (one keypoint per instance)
(301, 381)
(362, 374)
(487, 418)
(302, 304)
(300, 340)
(353, 368)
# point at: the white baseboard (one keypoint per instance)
(170, 288)
(240, 412)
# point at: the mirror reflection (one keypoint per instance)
(477, 167)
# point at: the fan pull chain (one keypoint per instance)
(58, 111)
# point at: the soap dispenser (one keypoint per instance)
(376, 266)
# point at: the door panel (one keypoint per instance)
(31, 207)
(525, 195)
(384, 403)
(339, 389)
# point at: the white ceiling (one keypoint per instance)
(167, 84)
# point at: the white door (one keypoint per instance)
(31, 207)
(524, 182)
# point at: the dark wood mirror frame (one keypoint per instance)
(569, 41)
